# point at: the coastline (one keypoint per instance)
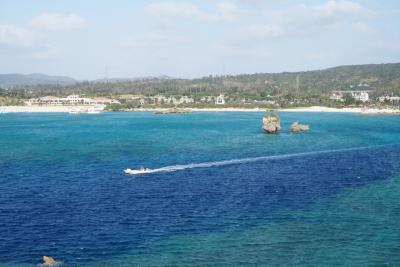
(66, 109)
(42, 109)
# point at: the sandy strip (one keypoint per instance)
(48, 109)
(304, 109)
(301, 109)
(366, 111)
(322, 109)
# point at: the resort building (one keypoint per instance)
(336, 96)
(207, 99)
(389, 99)
(362, 96)
(50, 100)
(70, 100)
(186, 100)
(220, 100)
(75, 99)
(161, 99)
(103, 100)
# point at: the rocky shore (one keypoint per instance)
(173, 111)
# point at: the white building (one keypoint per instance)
(389, 98)
(186, 100)
(45, 100)
(102, 100)
(161, 99)
(220, 100)
(207, 99)
(337, 96)
(71, 100)
(171, 100)
(362, 96)
(74, 99)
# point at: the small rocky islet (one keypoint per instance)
(51, 262)
(272, 125)
(298, 127)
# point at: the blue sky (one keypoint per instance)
(191, 38)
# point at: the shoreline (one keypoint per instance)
(41, 109)
(66, 109)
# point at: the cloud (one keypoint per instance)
(330, 12)
(361, 26)
(32, 40)
(263, 31)
(173, 9)
(308, 19)
(42, 53)
(154, 40)
(57, 22)
(16, 36)
(341, 7)
(225, 11)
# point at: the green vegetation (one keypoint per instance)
(10, 101)
(115, 107)
(264, 90)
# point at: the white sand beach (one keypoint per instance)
(300, 109)
(39, 109)
(322, 109)
(55, 109)
(364, 110)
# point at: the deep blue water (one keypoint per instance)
(63, 193)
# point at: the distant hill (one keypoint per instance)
(15, 79)
(361, 77)
(380, 78)
(121, 80)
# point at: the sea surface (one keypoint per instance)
(224, 193)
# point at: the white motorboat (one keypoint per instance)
(75, 111)
(93, 112)
(136, 172)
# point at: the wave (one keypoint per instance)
(174, 168)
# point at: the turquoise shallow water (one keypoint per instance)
(63, 193)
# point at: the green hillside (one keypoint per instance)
(382, 78)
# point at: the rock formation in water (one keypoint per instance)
(297, 127)
(51, 262)
(271, 123)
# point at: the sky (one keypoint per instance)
(93, 39)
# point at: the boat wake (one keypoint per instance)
(174, 168)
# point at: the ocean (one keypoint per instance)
(223, 193)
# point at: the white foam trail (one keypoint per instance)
(246, 160)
